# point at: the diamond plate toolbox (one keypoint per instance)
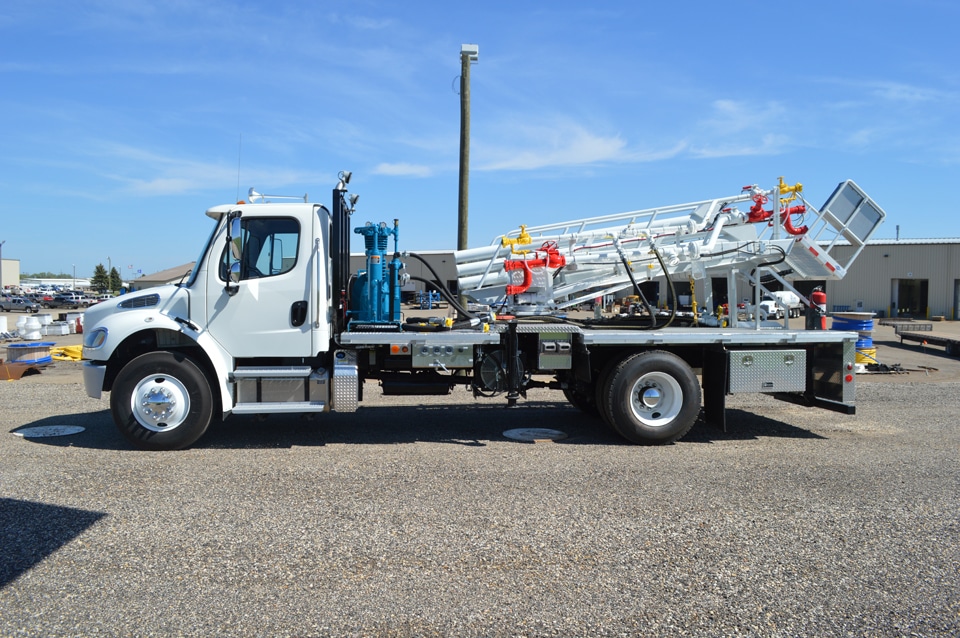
(767, 371)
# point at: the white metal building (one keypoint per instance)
(918, 278)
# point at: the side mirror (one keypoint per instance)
(234, 241)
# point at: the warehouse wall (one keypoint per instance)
(872, 277)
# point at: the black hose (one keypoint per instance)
(760, 281)
(636, 288)
(446, 294)
(423, 327)
(670, 289)
(441, 288)
(783, 258)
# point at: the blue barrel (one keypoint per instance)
(852, 325)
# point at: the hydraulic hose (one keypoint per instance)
(446, 294)
(636, 288)
(670, 289)
(783, 258)
(623, 324)
(439, 287)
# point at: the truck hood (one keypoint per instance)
(169, 300)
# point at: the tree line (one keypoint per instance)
(102, 280)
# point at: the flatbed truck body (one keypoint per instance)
(271, 320)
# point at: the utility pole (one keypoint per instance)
(468, 53)
(2, 289)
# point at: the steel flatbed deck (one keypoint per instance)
(613, 337)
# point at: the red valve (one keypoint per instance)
(788, 223)
(551, 259)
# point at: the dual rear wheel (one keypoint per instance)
(649, 397)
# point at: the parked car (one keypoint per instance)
(13, 304)
(68, 300)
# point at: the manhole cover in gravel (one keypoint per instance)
(49, 430)
(535, 434)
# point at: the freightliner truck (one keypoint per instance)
(272, 320)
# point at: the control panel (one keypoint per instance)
(426, 355)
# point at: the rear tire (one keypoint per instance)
(586, 403)
(161, 401)
(651, 398)
(601, 392)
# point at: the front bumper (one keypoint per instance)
(93, 375)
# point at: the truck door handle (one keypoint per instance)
(298, 313)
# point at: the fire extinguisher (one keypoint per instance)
(819, 299)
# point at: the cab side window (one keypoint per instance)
(270, 247)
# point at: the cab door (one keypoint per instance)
(266, 311)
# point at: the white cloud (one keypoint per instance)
(737, 128)
(560, 144)
(768, 144)
(403, 169)
(367, 24)
(146, 173)
(731, 116)
(861, 137)
(902, 92)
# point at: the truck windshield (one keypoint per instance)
(203, 251)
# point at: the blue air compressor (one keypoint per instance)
(375, 293)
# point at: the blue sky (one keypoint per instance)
(125, 120)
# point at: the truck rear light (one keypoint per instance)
(848, 378)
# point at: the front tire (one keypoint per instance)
(652, 398)
(161, 401)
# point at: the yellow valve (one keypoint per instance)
(786, 188)
(521, 240)
(448, 322)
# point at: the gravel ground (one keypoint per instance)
(417, 517)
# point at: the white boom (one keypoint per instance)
(551, 267)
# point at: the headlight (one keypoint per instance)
(95, 338)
